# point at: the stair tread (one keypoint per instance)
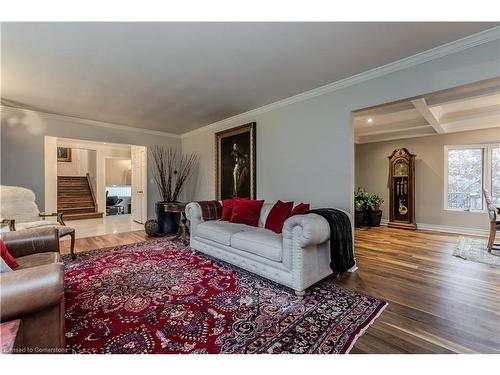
(76, 208)
(74, 198)
(85, 215)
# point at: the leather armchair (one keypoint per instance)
(34, 292)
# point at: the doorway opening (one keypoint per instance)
(99, 187)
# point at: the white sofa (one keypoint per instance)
(297, 258)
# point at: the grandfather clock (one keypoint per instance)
(402, 189)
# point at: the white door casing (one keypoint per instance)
(139, 184)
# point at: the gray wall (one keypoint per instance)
(22, 147)
(305, 150)
(372, 171)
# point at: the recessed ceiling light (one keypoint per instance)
(370, 120)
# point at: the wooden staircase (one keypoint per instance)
(75, 198)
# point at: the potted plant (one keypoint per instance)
(170, 173)
(361, 205)
(375, 213)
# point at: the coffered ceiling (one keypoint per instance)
(470, 107)
(176, 77)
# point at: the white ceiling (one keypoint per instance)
(469, 107)
(176, 77)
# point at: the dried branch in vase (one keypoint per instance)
(171, 170)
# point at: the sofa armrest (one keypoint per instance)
(313, 229)
(31, 241)
(30, 290)
(194, 215)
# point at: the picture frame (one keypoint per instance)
(235, 162)
(64, 154)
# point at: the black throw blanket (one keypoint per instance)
(341, 248)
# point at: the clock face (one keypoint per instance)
(401, 168)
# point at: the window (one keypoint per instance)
(495, 175)
(469, 169)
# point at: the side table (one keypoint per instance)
(183, 232)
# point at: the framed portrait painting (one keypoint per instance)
(64, 154)
(235, 162)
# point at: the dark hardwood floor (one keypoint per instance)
(437, 303)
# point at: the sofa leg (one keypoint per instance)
(300, 293)
(193, 251)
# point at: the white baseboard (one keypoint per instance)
(447, 229)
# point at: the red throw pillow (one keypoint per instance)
(300, 209)
(227, 209)
(277, 216)
(246, 211)
(9, 259)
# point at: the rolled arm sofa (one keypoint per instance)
(34, 291)
(297, 258)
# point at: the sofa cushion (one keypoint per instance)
(227, 209)
(220, 231)
(6, 256)
(38, 259)
(246, 211)
(300, 209)
(277, 216)
(261, 242)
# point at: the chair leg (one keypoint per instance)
(491, 239)
(72, 248)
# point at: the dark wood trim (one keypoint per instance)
(92, 192)
(11, 223)
(59, 215)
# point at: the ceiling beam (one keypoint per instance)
(391, 137)
(392, 131)
(474, 113)
(486, 120)
(422, 107)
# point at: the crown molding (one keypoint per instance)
(82, 121)
(420, 58)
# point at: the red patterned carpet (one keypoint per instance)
(156, 297)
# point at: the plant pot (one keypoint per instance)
(168, 221)
(359, 219)
(374, 218)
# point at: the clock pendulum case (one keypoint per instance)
(402, 189)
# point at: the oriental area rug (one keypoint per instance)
(157, 297)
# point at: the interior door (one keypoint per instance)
(139, 184)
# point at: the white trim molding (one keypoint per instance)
(447, 229)
(420, 58)
(80, 121)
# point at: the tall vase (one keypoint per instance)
(168, 221)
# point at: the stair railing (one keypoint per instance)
(92, 192)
